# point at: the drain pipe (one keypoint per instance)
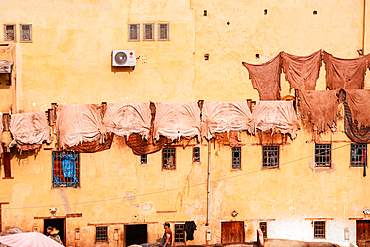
(208, 180)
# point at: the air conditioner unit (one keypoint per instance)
(123, 58)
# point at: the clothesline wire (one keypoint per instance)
(173, 189)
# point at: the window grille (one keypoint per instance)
(179, 233)
(66, 169)
(169, 158)
(270, 156)
(133, 32)
(144, 159)
(236, 158)
(358, 154)
(263, 227)
(148, 31)
(319, 229)
(196, 155)
(163, 31)
(322, 155)
(9, 32)
(26, 32)
(101, 234)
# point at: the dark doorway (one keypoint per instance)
(59, 224)
(363, 233)
(232, 232)
(136, 234)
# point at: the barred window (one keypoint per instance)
(236, 158)
(179, 233)
(133, 32)
(144, 159)
(9, 32)
(26, 32)
(319, 229)
(66, 169)
(270, 156)
(263, 227)
(163, 31)
(148, 31)
(322, 155)
(358, 155)
(101, 234)
(196, 154)
(169, 158)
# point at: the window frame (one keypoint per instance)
(14, 30)
(173, 150)
(21, 33)
(144, 31)
(178, 232)
(137, 31)
(104, 230)
(315, 230)
(143, 159)
(320, 164)
(267, 165)
(159, 31)
(56, 177)
(354, 160)
(236, 164)
(196, 155)
(263, 227)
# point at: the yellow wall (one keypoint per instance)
(69, 62)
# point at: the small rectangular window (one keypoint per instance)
(148, 31)
(319, 229)
(263, 227)
(322, 155)
(144, 159)
(163, 31)
(358, 155)
(236, 158)
(66, 169)
(7, 167)
(270, 156)
(196, 154)
(26, 32)
(179, 233)
(101, 234)
(169, 158)
(133, 32)
(9, 32)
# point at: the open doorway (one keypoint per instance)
(136, 234)
(59, 224)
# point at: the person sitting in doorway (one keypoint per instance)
(53, 234)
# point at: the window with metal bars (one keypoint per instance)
(322, 155)
(66, 169)
(179, 233)
(270, 156)
(358, 155)
(163, 31)
(133, 32)
(144, 159)
(26, 32)
(148, 31)
(236, 158)
(9, 32)
(101, 234)
(196, 154)
(263, 227)
(319, 229)
(169, 158)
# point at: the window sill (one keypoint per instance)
(8, 177)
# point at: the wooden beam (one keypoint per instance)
(120, 223)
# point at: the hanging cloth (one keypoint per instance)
(266, 78)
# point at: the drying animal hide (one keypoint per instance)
(302, 72)
(321, 106)
(174, 120)
(94, 146)
(79, 123)
(345, 73)
(140, 146)
(266, 78)
(268, 115)
(12, 230)
(126, 119)
(29, 130)
(218, 117)
(359, 105)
